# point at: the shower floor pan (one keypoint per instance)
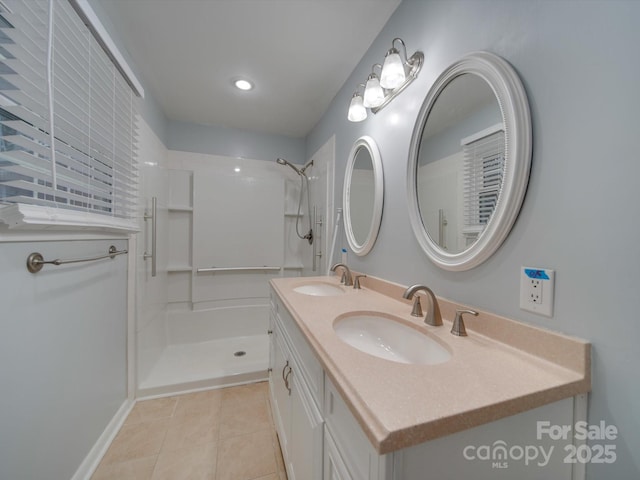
(222, 362)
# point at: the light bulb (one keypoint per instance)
(357, 112)
(393, 74)
(243, 84)
(373, 94)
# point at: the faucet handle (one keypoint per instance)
(458, 324)
(356, 281)
(416, 311)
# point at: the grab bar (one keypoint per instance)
(35, 261)
(317, 221)
(234, 269)
(154, 233)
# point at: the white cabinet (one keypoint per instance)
(306, 433)
(295, 411)
(334, 465)
(280, 389)
(354, 451)
(321, 439)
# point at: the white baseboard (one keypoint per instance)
(93, 458)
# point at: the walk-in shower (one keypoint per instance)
(303, 179)
(209, 301)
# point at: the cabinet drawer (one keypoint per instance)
(359, 456)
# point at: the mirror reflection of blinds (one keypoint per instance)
(483, 172)
(89, 163)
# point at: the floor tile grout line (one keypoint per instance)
(260, 395)
(166, 431)
(174, 416)
(218, 440)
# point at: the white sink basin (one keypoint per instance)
(319, 289)
(389, 339)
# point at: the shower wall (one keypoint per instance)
(151, 292)
(321, 188)
(233, 214)
(236, 221)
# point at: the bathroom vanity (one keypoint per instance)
(484, 411)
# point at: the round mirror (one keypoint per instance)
(469, 161)
(363, 195)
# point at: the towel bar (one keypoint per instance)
(35, 261)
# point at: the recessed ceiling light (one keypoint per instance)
(243, 84)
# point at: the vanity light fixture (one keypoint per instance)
(373, 93)
(393, 74)
(357, 111)
(396, 74)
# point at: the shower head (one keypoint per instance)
(282, 161)
(303, 178)
(303, 169)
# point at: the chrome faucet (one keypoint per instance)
(433, 316)
(346, 274)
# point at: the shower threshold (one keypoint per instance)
(215, 363)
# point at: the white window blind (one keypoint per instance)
(483, 173)
(68, 117)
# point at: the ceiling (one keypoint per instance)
(298, 53)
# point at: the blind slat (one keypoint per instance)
(94, 116)
(483, 169)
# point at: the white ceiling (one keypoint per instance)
(297, 52)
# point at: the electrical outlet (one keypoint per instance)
(536, 290)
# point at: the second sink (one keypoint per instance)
(389, 339)
(319, 289)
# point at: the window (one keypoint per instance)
(67, 118)
(482, 177)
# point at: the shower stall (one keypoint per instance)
(223, 228)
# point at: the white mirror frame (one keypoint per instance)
(512, 98)
(378, 179)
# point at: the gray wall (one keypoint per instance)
(149, 108)
(579, 64)
(233, 142)
(63, 355)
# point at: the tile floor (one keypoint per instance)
(224, 434)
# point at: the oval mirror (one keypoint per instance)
(363, 195)
(469, 161)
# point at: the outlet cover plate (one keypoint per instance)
(536, 290)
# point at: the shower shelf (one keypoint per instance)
(293, 214)
(179, 268)
(293, 267)
(180, 208)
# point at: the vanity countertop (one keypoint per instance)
(502, 368)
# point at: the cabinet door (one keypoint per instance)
(280, 376)
(272, 346)
(334, 467)
(305, 449)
